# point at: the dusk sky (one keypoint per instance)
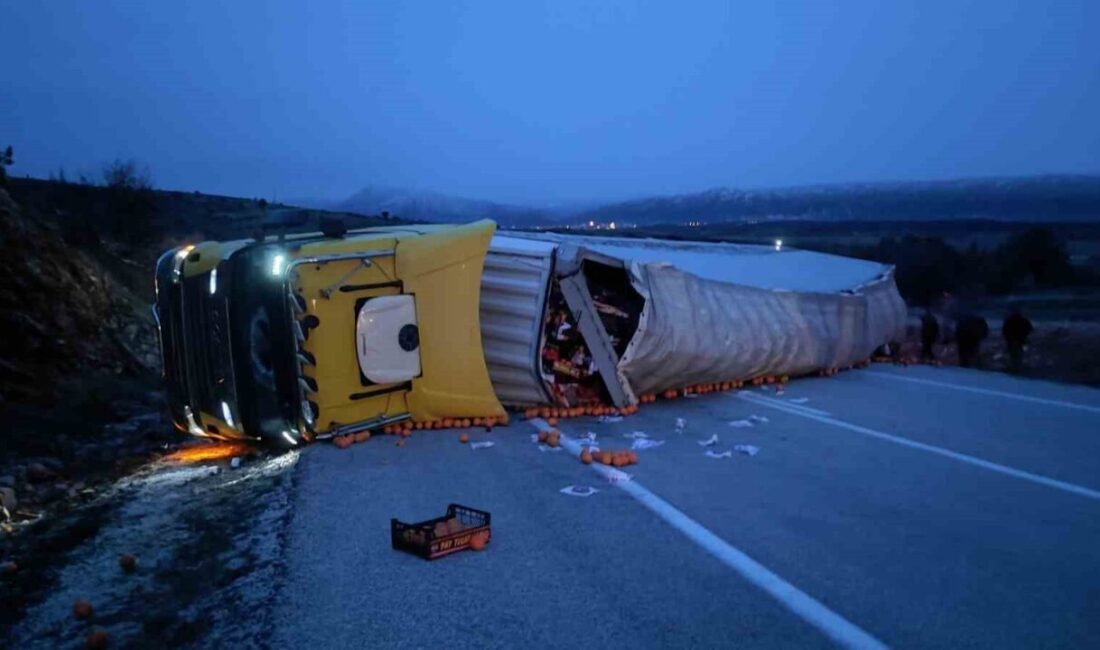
(549, 102)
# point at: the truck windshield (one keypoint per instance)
(263, 344)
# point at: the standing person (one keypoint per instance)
(1016, 329)
(969, 331)
(929, 334)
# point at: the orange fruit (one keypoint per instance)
(605, 457)
(618, 460)
(465, 423)
(464, 438)
(632, 457)
(127, 562)
(586, 457)
(477, 422)
(361, 436)
(96, 640)
(552, 422)
(478, 541)
(543, 435)
(553, 439)
(448, 423)
(82, 609)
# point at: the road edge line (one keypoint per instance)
(987, 391)
(1039, 479)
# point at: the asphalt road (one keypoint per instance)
(912, 507)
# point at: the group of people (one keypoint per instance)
(970, 330)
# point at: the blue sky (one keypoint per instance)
(549, 102)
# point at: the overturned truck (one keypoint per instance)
(571, 320)
(313, 336)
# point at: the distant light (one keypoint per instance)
(612, 225)
(289, 438)
(228, 416)
(778, 244)
(277, 265)
(214, 280)
(591, 224)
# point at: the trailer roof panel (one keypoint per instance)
(751, 265)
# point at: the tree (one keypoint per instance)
(1037, 255)
(6, 160)
(127, 175)
(131, 201)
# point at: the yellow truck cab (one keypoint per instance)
(317, 336)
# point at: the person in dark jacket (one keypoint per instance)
(929, 334)
(969, 331)
(1016, 329)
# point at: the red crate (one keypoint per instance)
(425, 540)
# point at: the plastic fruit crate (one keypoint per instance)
(441, 536)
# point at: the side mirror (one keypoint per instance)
(333, 227)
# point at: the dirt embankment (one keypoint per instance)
(66, 316)
(79, 361)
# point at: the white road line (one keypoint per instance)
(833, 625)
(987, 391)
(947, 453)
(764, 399)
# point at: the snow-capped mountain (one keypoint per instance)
(433, 206)
(1033, 198)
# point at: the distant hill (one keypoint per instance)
(432, 206)
(1035, 198)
